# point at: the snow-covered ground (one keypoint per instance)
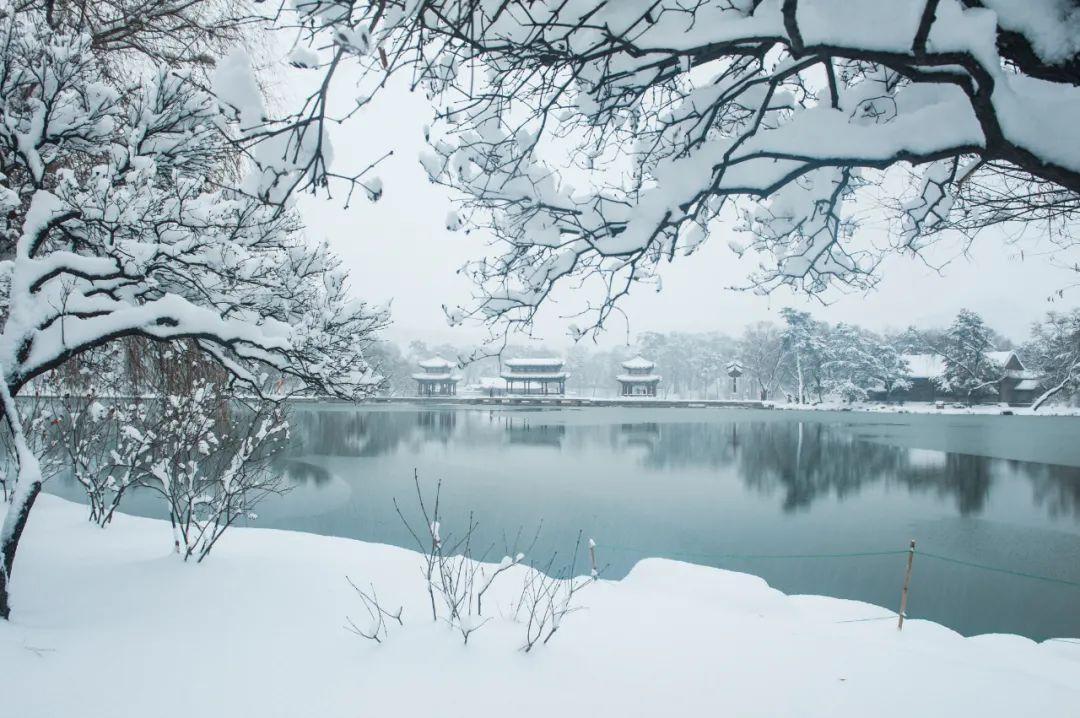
(922, 407)
(109, 623)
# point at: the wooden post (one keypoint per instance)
(907, 583)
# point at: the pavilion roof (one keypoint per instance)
(637, 378)
(436, 362)
(436, 376)
(527, 362)
(638, 362)
(539, 375)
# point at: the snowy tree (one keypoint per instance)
(969, 372)
(762, 354)
(858, 362)
(806, 345)
(598, 139)
(1054, 351)
(888, 367)
(137, 202)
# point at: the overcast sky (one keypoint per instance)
(399, 250)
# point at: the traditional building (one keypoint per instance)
(489, 386)
(1017, 385)
(534, 376)
(639, 379)
(436, 378)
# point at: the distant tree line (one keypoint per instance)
(797, 358)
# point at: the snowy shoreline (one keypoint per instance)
(950, 408)
(257, 629)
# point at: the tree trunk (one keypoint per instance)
(27, 488)
(14, 523)
(798, 369)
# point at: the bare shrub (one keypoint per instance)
(547, 595)
(377, 630)
(457, 577)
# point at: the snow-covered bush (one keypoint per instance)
(100, 449)
(206, 454)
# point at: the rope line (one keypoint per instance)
(760, 555)
(855, 554)
(984, 567)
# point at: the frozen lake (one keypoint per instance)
(751, 490)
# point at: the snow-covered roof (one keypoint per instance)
(1003, 358)
(436, 376)
(1027, 385)
(638, 362)
(526, 362)
(435, 363)
(929, 366)
(547, 375)
(924, 366)
(637, 378)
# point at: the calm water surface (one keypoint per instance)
(722, 488)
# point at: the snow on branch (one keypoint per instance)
(144, 204)
(596, 140)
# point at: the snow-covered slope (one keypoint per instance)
(109, 623)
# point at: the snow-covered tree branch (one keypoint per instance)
(597, 140)
(1055, 350)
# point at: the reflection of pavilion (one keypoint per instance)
(439, 423)
(520, 431)
(646, 435)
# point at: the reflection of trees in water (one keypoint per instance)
(807, 461)
(364, 433)
(1055, 488)
(964, 477)
(301, 472)
(680, 445)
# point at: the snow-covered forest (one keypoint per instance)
(165, 308)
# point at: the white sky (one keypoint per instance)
(399, 250)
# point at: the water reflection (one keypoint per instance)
(703, 490)
(798, 462)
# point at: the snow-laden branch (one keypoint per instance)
(129, 220)
(596, 140)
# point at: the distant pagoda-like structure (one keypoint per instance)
(638, 379)
(436, 378)
(534, 376)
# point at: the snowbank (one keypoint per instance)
(108, 623)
